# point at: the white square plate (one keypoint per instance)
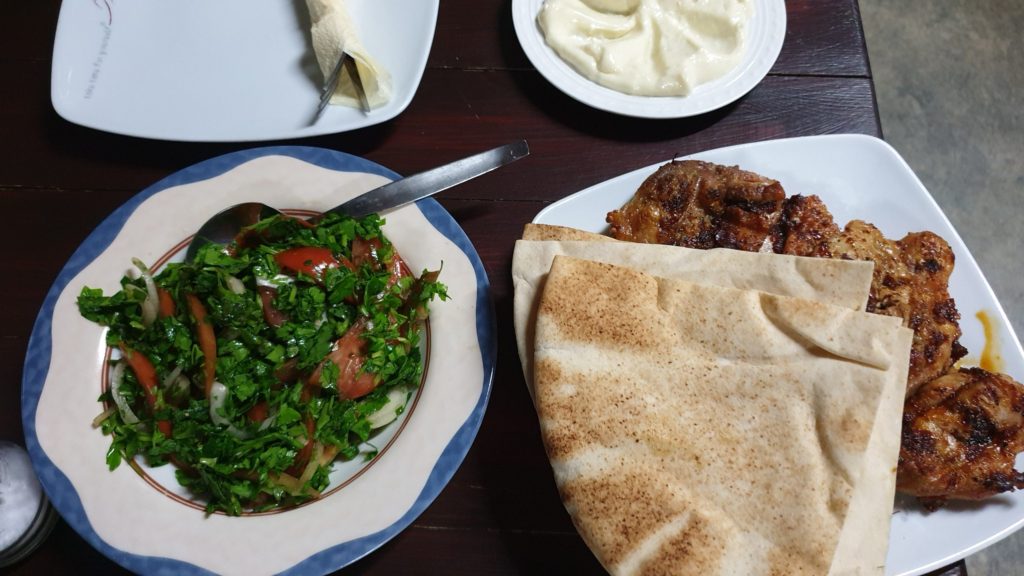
(860, 177)
(230, 70)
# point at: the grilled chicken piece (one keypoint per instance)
(703, 205)
(962, 427)
(806, 228)
(961, 433)
(911, 282)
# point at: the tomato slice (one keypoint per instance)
(167, 307)
(399, 269)
(308, 260)
(349, 355)
(287, 372)
(145, 373)
(366, 251)
(273, 316)
(259, 412)
(207, 340)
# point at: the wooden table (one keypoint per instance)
(500, 514)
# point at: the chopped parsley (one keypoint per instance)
(258, 364)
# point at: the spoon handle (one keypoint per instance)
(432, 181)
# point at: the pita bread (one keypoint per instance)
(841, 282)
(707, 430)
(550, 232)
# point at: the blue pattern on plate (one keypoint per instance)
(37, 364)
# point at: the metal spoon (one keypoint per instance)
(224, 226)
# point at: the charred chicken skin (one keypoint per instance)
(910, 281)
(703, 205)
(961, 432)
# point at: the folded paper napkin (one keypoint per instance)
(333, 32)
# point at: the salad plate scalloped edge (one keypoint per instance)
(143, 530)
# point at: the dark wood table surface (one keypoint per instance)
(500, 514)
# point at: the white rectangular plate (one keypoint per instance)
(230, 70)
(863, 178)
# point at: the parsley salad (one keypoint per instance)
(255, 366)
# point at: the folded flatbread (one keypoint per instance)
(840, 282)
(700, 429)
(551, 232)
(333, 33)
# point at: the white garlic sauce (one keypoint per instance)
(648, 47)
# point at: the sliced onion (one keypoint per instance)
(269, 420)
(102, 416)
(151, 305)
(116, 378)
(330, 452)
(314, 463)
(171, 377)
(176, 382)
(297, 486)
(288, 482)
(397, 397)
(181, 385)
(218, 395)
(235, 285)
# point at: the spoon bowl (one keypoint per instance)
(224, 226)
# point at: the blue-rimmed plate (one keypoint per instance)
(127, 516)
